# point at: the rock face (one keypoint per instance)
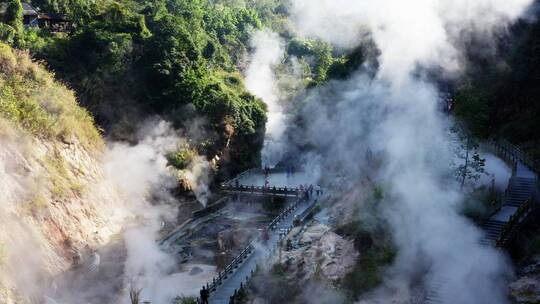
(322, 253)
(526, 290)
(50, 223)
(55, 206)
(234, 239)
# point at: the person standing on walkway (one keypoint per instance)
(204, 295)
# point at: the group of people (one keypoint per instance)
(308, 190)
(235, 298)
(205, 294)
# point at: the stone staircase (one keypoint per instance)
(518, 202)
(435, 291)
(519, 190)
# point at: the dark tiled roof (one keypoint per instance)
(28, 10)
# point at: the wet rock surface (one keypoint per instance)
(319, 253)
(223, 235)
(526, 288)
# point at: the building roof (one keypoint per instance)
(55, 17)
(28, 10)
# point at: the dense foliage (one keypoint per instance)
(179, 59)
(501, 96)
(26, 91)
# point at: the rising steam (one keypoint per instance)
(143, 177)
(394, 115)
(262, 82)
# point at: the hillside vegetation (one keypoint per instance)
(33, 102)
(500, 96)
(50, 149)
(180, 59)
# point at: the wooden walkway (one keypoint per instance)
(240, 270)
(262, 252)
(259, 190)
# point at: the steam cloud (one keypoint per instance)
(394, 115)
(130, 199)
(142, 175)
(262, 82)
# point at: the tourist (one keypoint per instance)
(204, 295)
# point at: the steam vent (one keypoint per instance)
(269, 152)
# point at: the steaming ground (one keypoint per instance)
(262, 82)
(394, 117)
(135, 260)
(391, 117)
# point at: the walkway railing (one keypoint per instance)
(241, 175)
(512, 153)
(516, 219)
(249, 249)
(284, 191)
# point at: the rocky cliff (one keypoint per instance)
(55, 206)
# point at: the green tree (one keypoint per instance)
(471, 165)
(12, 14)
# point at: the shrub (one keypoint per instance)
(181, 158)
(7, 33)
(33, 101)
(184, 300)
(368, 271)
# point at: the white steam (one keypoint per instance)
(497, 172)
(395, 116)
(424, 32)
(262, 82)
(142, 175)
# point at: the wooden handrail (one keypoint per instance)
(515, 220)
(242, 257)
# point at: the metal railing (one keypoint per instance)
(285, 191)
(513, 154)
(249, 249)
(239, 176)
(516, 219)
